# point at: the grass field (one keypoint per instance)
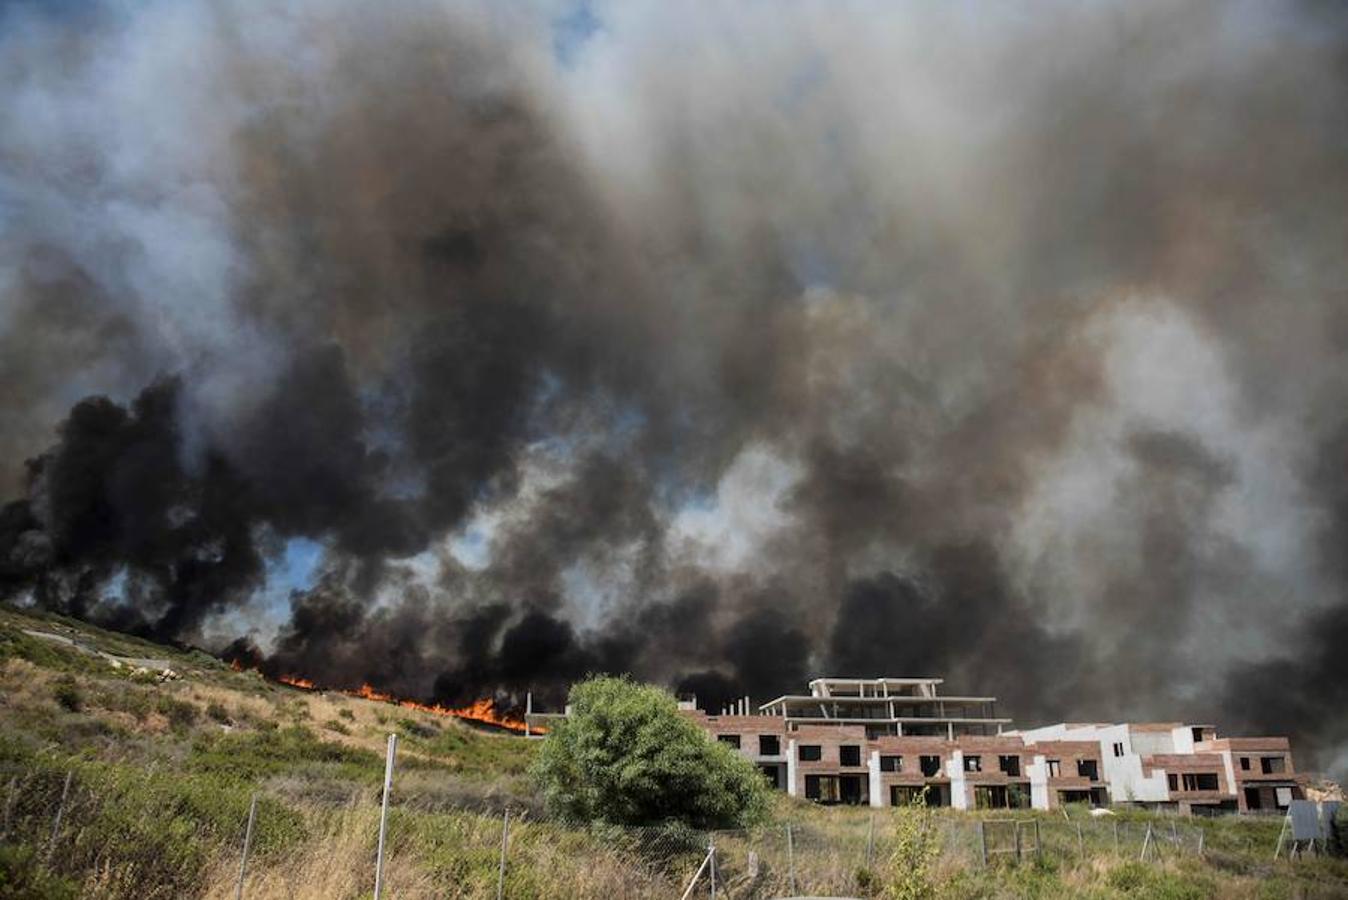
(161, 776)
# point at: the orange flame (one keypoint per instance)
(483, 710)
(303, 684)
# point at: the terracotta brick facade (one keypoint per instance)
(848, 741)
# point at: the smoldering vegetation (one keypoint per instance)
(726, 350)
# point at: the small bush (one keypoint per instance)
(254, 755)
(334, 725)
(22, 878)
(179, 713)
(413, 728)
(134, 701)
(346, 714)
(67, 694)
(917, 847)
(218, 713)
(626, 756)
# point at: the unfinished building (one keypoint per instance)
(886, 741)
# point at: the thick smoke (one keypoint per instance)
(727, 349)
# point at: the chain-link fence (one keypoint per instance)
(81, 826)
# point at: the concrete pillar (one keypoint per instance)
(791, 767)
(874, 763)
(1038, 772)
(959, 792)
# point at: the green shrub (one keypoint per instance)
(254, 755)
(334, 725)
(217, 713)
(627, 756)
(47, 654)
(346, 714)
(134, 701)
(67, 694)
(413, 728)
(179, 713)
(148, 834)
(470, 752)
(22, 878)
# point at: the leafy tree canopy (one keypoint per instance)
(627, 756)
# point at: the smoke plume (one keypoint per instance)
(465, 350)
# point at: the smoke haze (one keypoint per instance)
(466, 349)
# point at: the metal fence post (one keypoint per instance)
(790, 858)
(383, 814)
(247, 843)
(1016, 826)
(983, 843)
(505, 839)
(870, 841)
(1038, 843)
(711, 855)
(60, 811)
(1081, 842)
(1116, 837)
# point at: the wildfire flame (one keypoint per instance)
(483, 710)
(297, 681)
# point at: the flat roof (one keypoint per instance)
(811, 698)
(885, 681)
(915, 720)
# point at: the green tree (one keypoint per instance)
(627, 756)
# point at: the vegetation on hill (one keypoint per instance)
(161, 775)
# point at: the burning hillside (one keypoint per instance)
(481, 712)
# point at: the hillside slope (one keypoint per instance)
(161, 771)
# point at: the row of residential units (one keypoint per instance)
(883, 741)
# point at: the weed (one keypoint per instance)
(180, 713)
(67, 694)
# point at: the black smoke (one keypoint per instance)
(727, 350)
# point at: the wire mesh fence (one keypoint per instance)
(74, 822)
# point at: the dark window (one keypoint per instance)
(849, 755)
(1118, 748)
(1198, 734)
(731, 739)
(973, 763)
(991, 797)
(823, 788)
(770, 772)
(1172, 782)
(930, 765)
(810, 753)
(1054, 768)
(891, 764)
(1245, 763)
(1272, 765)
(1200, 781)
(769, 745)
(1010, 765)
(1086, 768)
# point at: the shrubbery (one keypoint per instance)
(67, 694)
(22, 878)
(626, 756)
